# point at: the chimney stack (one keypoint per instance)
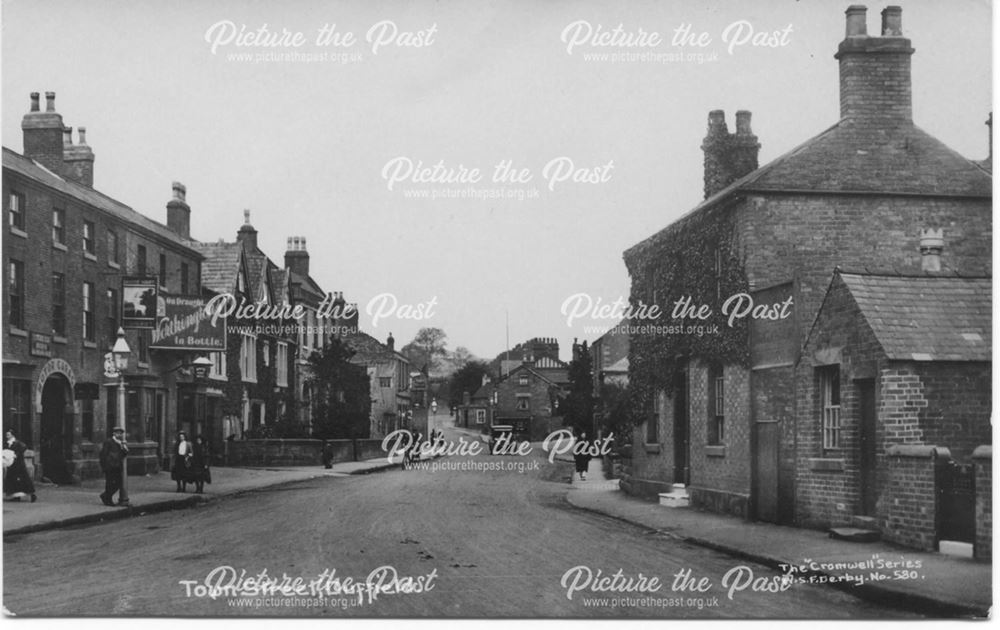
(78, 159)
(728, 156)
(391, 343)
(247, 234)
(179, 212)
(296, 256)
(875, 71)
(43, 134)
(931, 246)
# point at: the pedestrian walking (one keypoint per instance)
(113, 456)
(581, 455)
(200, 471)
(16, 482)
(180, 471)
(327, 454)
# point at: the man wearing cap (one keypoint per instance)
(113, 455)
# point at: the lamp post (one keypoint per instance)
(121, 353)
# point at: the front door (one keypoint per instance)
(56, 430)
(869, 492)
(681, 428)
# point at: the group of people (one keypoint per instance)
(191, 463)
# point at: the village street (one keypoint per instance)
(491, 543)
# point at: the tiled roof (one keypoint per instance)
(279, 284)
(851, 157)
(367, 349)
(927, 318)
(221, 265)
(306, 283)
(32, 170)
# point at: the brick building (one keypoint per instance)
(721, 406)
(67, 249)
(893, 361)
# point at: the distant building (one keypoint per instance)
(389, 376)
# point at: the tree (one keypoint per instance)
(427, 347)
(342, 393)
(614, 417)
(459, 358)
(467, 378)
(577, 407)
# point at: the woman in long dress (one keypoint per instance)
(179, 472)
(16, 482)
(199, 473)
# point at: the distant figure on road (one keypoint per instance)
(113, 455)
(16, 482)
(200, 473)
(180, 471)
(581, 454)
(327, 454)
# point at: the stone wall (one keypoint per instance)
(983, 459)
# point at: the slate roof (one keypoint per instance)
(306, 283)
(32, 170)
(221, 265)
(618, 367)
(279, 284)
(927, 318)
(853, 156)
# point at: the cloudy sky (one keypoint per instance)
(167, 93)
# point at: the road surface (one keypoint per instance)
(474, 543)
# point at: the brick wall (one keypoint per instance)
(804, 237)
(720, 474)
(958, 406)
(652, 465)
(827, 490)
(983, 458)
(910, 511)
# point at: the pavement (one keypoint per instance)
(67, 506)
(928, 583)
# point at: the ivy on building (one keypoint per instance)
(698, 258)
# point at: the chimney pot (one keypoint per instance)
(50, 101)
(857, 20)
(67, 136)
(892, 21)
(246, 216)
(180, 191)
(743, 123)
(82, 133)
(34, 101)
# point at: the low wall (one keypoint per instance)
(911, 510)
(982, 457)
(298, 452)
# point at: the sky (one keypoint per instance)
(339, 143)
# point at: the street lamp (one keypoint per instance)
(121, 353)
(201, 366)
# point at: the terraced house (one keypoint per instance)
(797, 419)
(66, 249)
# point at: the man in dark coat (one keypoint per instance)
(113, 455)
(17, 482)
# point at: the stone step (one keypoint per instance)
(674, 500)
(864, 522)
(955, 548)
(855, 534)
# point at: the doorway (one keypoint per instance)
(869, 491)
(56, 429)
(682, 470)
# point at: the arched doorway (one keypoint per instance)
(56, 438)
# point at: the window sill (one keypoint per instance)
(715, 450)
(114, 265)
(250, 380)
(18, 332)
(826, 464)
(653, 448)
(60, 246)
(142, 365)
(90, 344)
(16, 232)
(90, 256)
(56, 339)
